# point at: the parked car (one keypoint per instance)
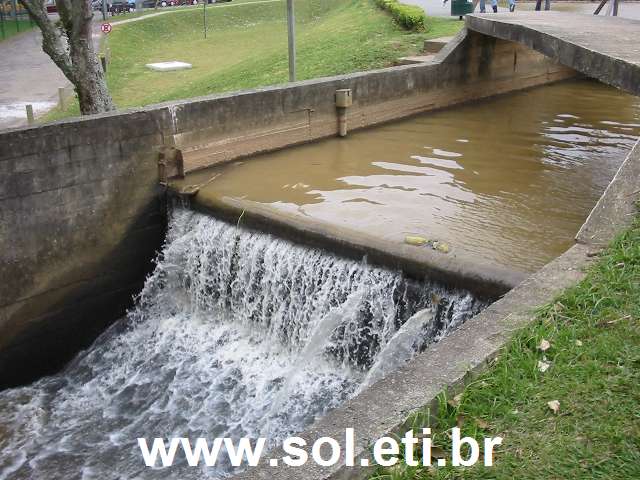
(118, 8)
(168, 3)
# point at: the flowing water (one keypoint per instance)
(507, 181)
(235, 334)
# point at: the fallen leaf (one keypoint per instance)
(415, 240)
(543, 366)
(455, 401)
(578, 343)
(481, 423)
(442, 247)
(554, 406)
(437, 452)
(544, 345)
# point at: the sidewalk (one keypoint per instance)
(27, 76)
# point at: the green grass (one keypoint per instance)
(594, 331)
(11, 29)
(246, 47)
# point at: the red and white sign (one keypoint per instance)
(106, 28)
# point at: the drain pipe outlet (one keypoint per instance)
(343, 101)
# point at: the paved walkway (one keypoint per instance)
(605, 48)
(27, 75)
(438, 9)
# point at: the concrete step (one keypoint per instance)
(434, 45)
(415, 59)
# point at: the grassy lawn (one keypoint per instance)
(594, 356)
(9, 28)
(246, 47)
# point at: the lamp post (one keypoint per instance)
(204, 17)
(291, 27)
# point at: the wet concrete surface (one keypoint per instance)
(508, 181)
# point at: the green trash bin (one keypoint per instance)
(459, 8)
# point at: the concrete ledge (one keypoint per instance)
(434, 45)
(616, 208)
(415, 59)
(485, 281)
(605, 48)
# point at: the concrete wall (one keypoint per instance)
(473, 66)
(80, 220)
(81, 212)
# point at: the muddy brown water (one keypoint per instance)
(507, 181)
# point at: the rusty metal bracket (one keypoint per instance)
(170, 164)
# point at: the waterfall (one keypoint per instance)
(235, 333)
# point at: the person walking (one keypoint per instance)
(494, 6)
(512, 5)
(547, 5)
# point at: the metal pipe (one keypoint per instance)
(291, 28)
(15, 15)
(343, 101)
(342, 121)
(2, 22)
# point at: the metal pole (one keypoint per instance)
(204, 17)
(2, 21)
(15, 15)
(291, 28)
(104, 10)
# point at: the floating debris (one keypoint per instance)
(415, 240)
(418, 241)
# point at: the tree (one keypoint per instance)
(70, 45)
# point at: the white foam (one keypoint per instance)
(235, 333)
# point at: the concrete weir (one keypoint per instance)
(83, 213)
(82, 210)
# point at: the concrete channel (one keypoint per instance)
(83, 212)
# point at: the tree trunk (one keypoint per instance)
(69, 43)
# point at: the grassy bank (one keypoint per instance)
(593, 371)
(246, 47)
